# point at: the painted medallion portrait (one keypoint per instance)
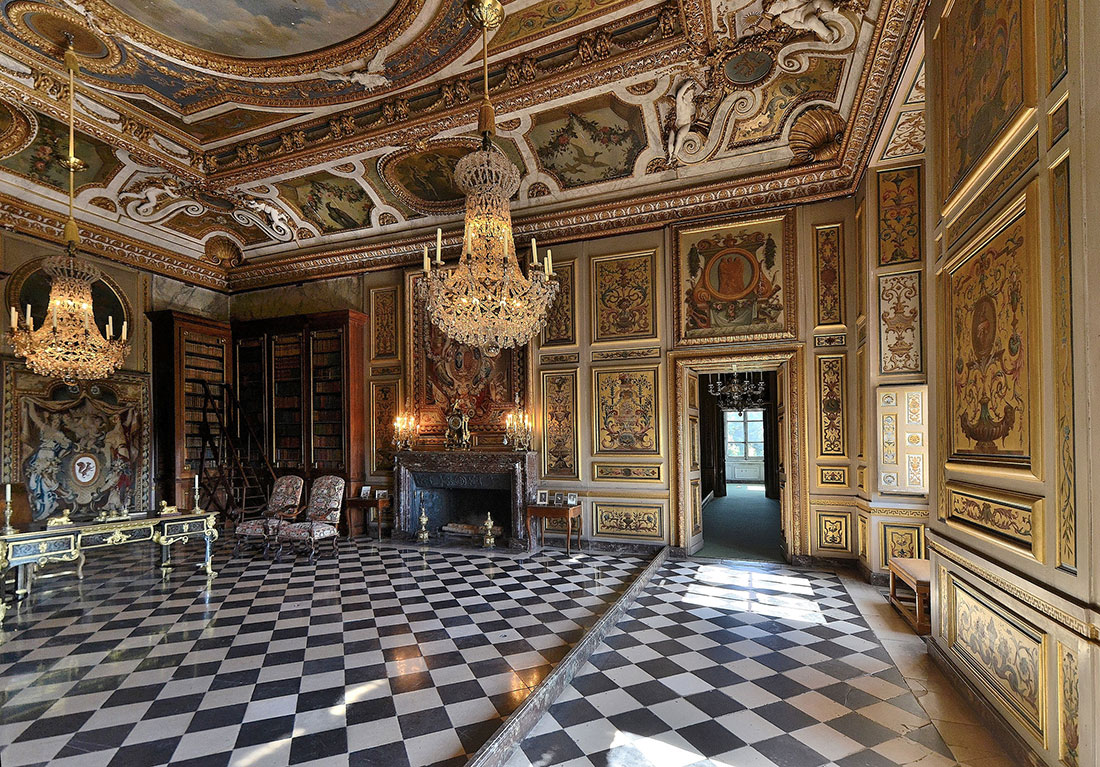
(731, 280)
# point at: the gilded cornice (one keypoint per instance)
(26, 218)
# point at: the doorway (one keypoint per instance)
(741, 510)
(783, 441)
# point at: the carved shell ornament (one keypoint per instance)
(223, 251)
(816, 136)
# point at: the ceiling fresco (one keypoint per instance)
(256, 28)
(319, 138)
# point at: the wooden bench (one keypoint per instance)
(916, 574)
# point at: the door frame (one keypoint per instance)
(793, 493)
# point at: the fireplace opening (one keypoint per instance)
(461, 513)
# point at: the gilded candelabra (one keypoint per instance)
(517, 429)
(405, 432)
(489, 540)
(8, 529)
(422, 533)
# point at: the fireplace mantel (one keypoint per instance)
(516, 472)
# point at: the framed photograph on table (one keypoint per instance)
(571, 499)
(559, 499)
(382, 494)
(542, 498)
(364, 491)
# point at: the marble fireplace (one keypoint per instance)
(460, 487)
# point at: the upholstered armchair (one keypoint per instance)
(322, 518)
(284, 502)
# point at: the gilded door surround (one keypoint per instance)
(794, 494)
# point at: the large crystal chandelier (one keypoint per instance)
(739, 392)
(487, 301)
(68, 344)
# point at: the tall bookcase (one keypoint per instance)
(189, 351)
(304, 375)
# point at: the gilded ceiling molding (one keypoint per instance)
(363, 45)
(25, 218)
(247, 161)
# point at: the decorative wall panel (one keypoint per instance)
(623, 520)
(560, 452)
(619, 355)
(903, 443)
(862, 539)
(861, 265)
(561, 320)
(625, 405)
(1065, 465)
(829, 265)
(900, 228)
(833, 531)
(384, 327)
(443, 372)
(735, 281)
(1057, 41)
(693, 443)
(1005, 653)
(900, 339)
(992, 346)
(830, 340)
(626, 472)
(385, 404)
(987, 79)
(836, 476)
(833, 430)
(861, 400)
(901, 540)
(624, 297)
(1011, 519)
(696, 507)
(560, 358)
(1069, 702)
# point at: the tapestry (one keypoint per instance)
(443, 372)
(833, 424)
(735, 281)
(385, 406)
(899, 306)
(588, 142)
(624, 297)
(559, 424)
(1062, 351)
(383, 323)
(900, 231)
(1006, 654)
(561, 320)
(828, 256)
(984, 80)
(87, 450)
(625, 404)
(989, 302)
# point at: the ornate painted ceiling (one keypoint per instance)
(242, 143)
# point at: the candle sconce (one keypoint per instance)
(517, 429)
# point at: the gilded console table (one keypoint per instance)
(58, 541)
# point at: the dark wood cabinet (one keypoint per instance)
(302, 378)
(188, 351)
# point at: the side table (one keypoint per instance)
(543, 513)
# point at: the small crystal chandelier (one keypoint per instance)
(68, 344)
(739, 392)
(487, 301)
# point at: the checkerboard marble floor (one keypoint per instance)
(744, 665)
(383, 656)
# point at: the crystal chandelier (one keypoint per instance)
(487, 301)
(739, 393)
(68, 344)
